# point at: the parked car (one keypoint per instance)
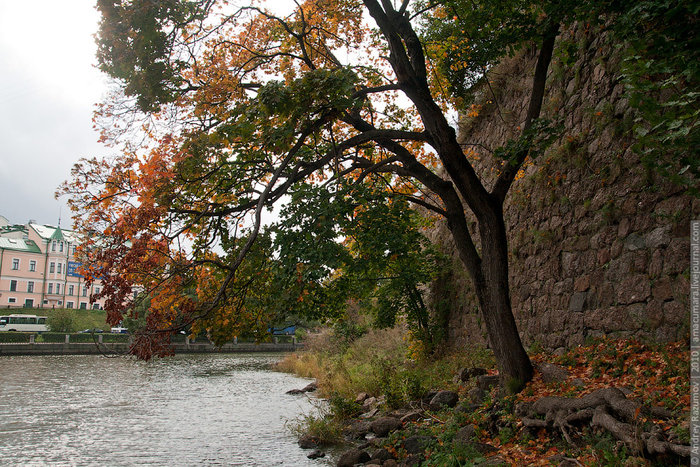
(119, 330)
(88, 331)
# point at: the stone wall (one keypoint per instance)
(598, 243)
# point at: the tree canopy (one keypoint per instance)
(337, 110)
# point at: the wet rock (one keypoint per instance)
(308, 442)
(385, 425)
(352, 457)
(316, 454)
(448, 398)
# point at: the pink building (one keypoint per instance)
(38, 269)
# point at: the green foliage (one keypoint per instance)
(380, 262)
(661, 71)
(136, 44)
(60, 321)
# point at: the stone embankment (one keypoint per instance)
(123, 348)
(599, 242)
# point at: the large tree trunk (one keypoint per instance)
(494, 300)
(490, 278)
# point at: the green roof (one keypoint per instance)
(18, 245)
(57, 234)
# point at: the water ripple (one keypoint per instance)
(220, 409)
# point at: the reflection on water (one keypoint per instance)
(187, 410)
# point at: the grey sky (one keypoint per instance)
(48, 88)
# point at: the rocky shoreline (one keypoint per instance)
(381, 436)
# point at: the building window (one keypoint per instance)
(84, 291)
(60, 247)
(30, 286)
(58, 289)
(13, 286)
(59, 268)
(32, 265)
(74, 247)
(46, 302)
(50, 287)
(52, 268)
(53, 245)
(69, 304)
(29, 303)
(95, 306)
(11, 300)
(83, 306)
(71, 288)
(60, 302)
(15, 263)
(97, 290)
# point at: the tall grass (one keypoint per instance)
(378, 363)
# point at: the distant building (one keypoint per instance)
(38, 269)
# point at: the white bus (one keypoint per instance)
(30, 323)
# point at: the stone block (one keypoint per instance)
(634, 242)
(605, 294)
(656, 264)
(661, 290)
(633, 289)
(623, 229)
(659, 237)
(582, 283)
(606, 320)
(675, 313)
(578, 301)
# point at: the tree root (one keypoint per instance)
(607, 409)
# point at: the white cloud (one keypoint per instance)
(48, 89)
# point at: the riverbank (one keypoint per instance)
(123, 348)
(611, 402)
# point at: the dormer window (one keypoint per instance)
(53, 245)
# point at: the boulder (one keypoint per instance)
(448, 398)
(465, 435)
(465, 374)
(552, 373)
(416, 444)
(358, 429)
(361, 397)
(485, 382)
(385, 425)
(308, 442)
(316, 454)
(352, 457)
(381, 455)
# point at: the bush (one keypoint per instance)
(60, 321)
(15, 337)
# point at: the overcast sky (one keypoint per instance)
(48, 88)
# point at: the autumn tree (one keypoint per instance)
(239, 107)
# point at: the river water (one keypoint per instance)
(188, 410)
